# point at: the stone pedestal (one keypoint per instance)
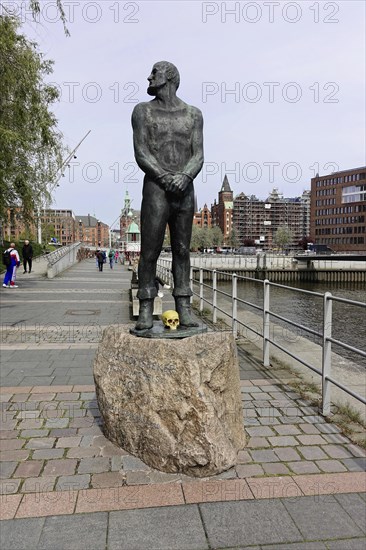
(176, 404)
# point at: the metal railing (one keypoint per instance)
(325, 336)
(56, 255)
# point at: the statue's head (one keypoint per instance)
(163, 74)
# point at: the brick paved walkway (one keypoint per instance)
(298, 484)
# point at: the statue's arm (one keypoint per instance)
(146, 161)
(194, 166)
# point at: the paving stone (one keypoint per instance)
(48, 454)
(269, 411)
(75, 532)
(8, 456)
(336, 451)
(87, 440)
(355, 464)
(286, 454)
(22, 534)
(60, 467)
(9, 487)
(9, 434)
(63, 432)
(287, 429)
(116, 463)
(34, 424)
(41, 396)
(311, 439)
(303, 467)
(268, 421)
(108, 479)
(336, 438)
(257, 443)
(275, 468)
(133, 463)
(34, 433)
(355, 506)
(311, 452)
(264, 456)
(321, 522)
(83, 452)
(260, 431)
(69, 442)
(42, 484)
(330, 466)
(314, 419)
(11, 444)
(225, 527)
(349, 544)
(40, 443)
(57, 423)
(73, 483)
(137, 478)
(243, 457)
(69, 396)
(355, 450)
(93, 465)
(328, 428)
(95, 429)
(24, 415)
(7, 469)
(163, 528)
(31, 468)
(282, 441)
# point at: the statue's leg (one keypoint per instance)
(154, 217)
(180, 224)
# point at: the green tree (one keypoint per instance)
(283, 237)
(30, 144)
(217, 236)
(233, 240)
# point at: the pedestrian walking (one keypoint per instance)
(100, 259)
(11, 261)
(27, 253)
(111, 258)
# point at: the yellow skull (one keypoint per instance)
(170, 319)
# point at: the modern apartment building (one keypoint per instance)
(256, 221)
(338, 210)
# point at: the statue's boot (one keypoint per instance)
(145, 320)
(183, 308)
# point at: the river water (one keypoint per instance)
(349, 321)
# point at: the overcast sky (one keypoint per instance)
(295, 71)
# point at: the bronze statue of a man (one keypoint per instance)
(168, 144)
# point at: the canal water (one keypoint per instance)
(349, 321)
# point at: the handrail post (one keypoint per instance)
(214, 297)
(201, 289)
(327, 352)
(191, 282)
(234, 305)
(266, 320)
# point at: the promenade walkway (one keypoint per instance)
(299, 484)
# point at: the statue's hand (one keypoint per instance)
(165, 181)
(178, 184)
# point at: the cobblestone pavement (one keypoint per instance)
(298, 484)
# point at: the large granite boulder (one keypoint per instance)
(175, 404)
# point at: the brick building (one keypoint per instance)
(338, 210)
(222, 211)
(91, 231)
(202, 218)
